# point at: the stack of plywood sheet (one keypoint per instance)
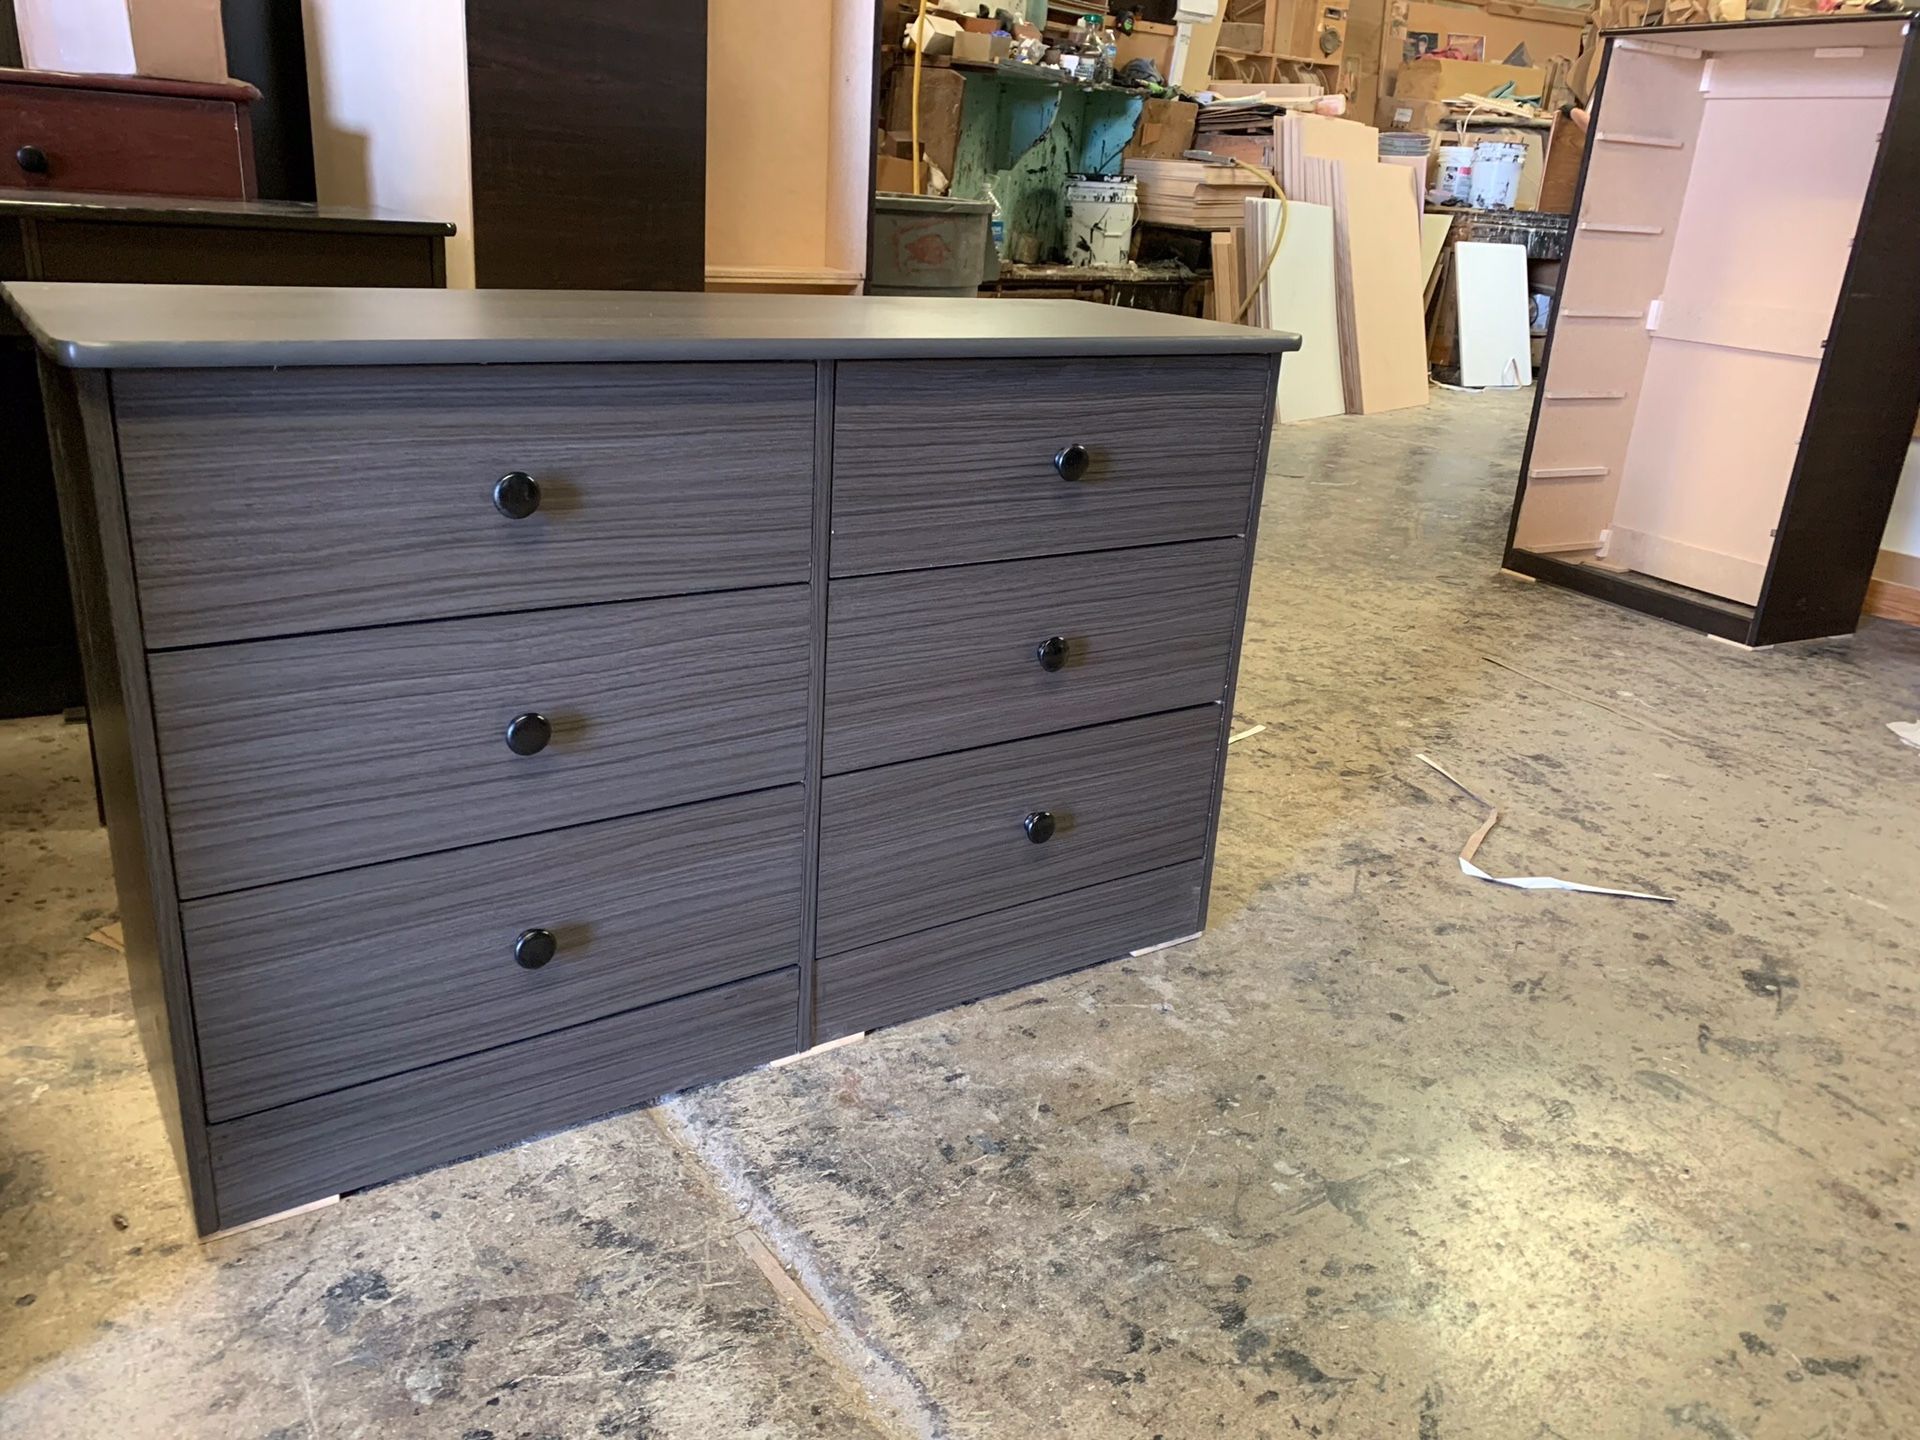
(1378, 276)
(1193, 193)
(1296, 292)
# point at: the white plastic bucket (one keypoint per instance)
(1496, 173)
(1100, 221)
(1453, 176)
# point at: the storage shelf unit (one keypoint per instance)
(1743, 422)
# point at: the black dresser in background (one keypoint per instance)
(51, 236)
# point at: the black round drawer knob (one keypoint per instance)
(516, 495)
(1072, 462)
(1052, 652)
(1039, 826)
(528, 734)
(33, 160)
(533, 949)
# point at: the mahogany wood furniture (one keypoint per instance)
(51, 235)
(126, 134)
(515, 705)
(1728, 387)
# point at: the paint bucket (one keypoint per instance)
(1100, 221)
(1453, 176)
(1496, 173)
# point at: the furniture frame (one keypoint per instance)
(1724, 406)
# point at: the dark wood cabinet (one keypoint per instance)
(58, 236)
(589, 142)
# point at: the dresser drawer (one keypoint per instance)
(947, 462)
(906, 847)
(280, 1158)
(273, 502)
(124, 143)
(930, 661)
(317, 984)
(915, 975)
(286, 758)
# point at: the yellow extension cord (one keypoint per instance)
(1285, 209)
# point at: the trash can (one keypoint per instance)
(931, 245)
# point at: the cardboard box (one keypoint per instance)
(1498, 28)
(983, 49)
(1165, 130)
(1444, 79)
(1394, 113)
(162, 39)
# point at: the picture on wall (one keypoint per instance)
(1467, 47)
(1420, 44)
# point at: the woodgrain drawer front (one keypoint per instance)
(916, 975)
(317, 984)
(55, 138)
(286, 758)
(922, 663)
(302, 1152)
(280, 502)
(907, 847)
(951, 461)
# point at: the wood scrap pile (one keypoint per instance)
(1193, 193)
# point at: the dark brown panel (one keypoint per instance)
(907, 847)
(903, 979)
(269, 502)
(120, 252)
(39, 660)
(318, 984)
(948, 462)
(1859, 423)
(922, 663)
(292, 757)
(589, 131)
(353, 1138)
(118, 141)
(128, 764)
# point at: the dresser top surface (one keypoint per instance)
(108, 327)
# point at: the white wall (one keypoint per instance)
(1903, 526)
(388, 84)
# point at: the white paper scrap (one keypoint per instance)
(1907, 730)
(1522, 882)
(1245, 734)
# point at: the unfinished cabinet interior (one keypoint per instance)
(1718, 433)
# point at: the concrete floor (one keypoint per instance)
(1389, 1152)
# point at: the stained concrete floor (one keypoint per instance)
(1388, 1152)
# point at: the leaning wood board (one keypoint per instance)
(475, 757)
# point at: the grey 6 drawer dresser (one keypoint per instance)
(512, 706)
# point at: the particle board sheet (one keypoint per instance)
(1490, 289)
(1378, 283)
(1299, 294)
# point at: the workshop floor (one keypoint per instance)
(1389, 1152)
